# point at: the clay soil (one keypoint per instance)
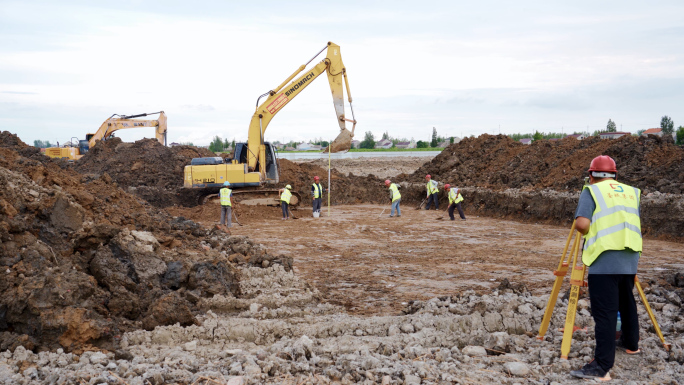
(373, 265)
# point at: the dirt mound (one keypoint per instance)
(349, 189)
(82, 261)
(497, 162)
(146, 168)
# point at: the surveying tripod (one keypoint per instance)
(577, 272)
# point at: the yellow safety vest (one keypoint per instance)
(318, 190)
(285, 196)
(432, 188)
(615, 224)
(395, 192)
(224, 193)
(454, 197)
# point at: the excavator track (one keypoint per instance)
(261, 197)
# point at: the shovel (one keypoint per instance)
(421, 204)
(235, 216)
(443, 214)
(290, 211)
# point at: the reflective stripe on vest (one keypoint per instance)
(455, 196)
(224, 193)
(395, 192)
(318, 191)
(432, 187)
(615, 224)
(285, 196)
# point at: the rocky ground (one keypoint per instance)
(280, 333)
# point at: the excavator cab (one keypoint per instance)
(271, 170)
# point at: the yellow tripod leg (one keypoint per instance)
(642, 295)
(560, 273)
(576, 282)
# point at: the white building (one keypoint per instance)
(612, 135)
(384, 143)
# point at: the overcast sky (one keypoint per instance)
(466, 68)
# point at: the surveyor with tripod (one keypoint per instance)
(608, 215)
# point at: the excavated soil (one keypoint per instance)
(145, 168)
(82, 261)
(497, 162)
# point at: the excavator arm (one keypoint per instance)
(284, 93)
(113, 124)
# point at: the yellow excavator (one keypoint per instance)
(114, 123)
(254, 163)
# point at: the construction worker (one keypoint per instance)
(317, 194)
(455, 199)
(395, 196)
(285, 195)
(432, 191)
(608, 215)
(225, 195)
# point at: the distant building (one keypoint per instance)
(457, 139)
(174, 144)
(288, 148)
(315, 147)
(612, 135)
(526, 141)
(411, 144)
(443, 144)
(356, 144)
(653, 131)
(305, 146)
(384, 143)
(576, 136)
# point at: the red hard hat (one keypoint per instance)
(427, 176)
(447, 186)
(603, 163)
(387, 182)
(316, 177)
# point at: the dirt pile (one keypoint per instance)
(146, 168)
(349, 189)
(498, 162)
(82, 261)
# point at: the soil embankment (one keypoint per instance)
(542, 182)
(83, 261)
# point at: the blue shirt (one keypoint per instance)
(610, 261)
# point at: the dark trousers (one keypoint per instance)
(284, 206)
(610, 293)
(460, 210)
(432, 198)
(317, 204)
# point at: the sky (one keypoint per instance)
(463, 68)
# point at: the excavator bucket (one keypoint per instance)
(342, 142)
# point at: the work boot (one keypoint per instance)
(620, 345)
(591, 371)
(398, 215)
(391, 216)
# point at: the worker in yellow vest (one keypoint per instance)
(432, 191)
(608, 215)
(225, 195)
(317, 195)
(285, 195)
(455, 199)
(395, 197)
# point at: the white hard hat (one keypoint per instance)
(288, 187)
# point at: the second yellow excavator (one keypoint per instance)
(107, 128)
(255, 163)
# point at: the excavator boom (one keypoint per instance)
(284, 93)
(112, 125)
